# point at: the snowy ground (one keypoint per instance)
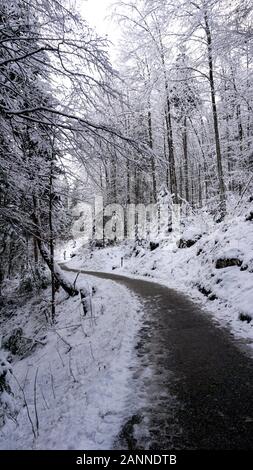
(228, 291)
(82, 370)
(84, 364)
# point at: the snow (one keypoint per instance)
(231, 252)
(85, 364)
(83, 371)
(191, 269)
(191, 233)
(5, 367)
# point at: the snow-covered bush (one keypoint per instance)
(7, 404)
(17, 344)
(34, 280)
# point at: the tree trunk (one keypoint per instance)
(168, 120)
(58, 273)
(128, 198)
(181, 180)
(172, 169)
(51, 240)
(192, 189)
(248, 105)
(114, 179)
(136, 185)
(238, 115)
(35, 251)
(165, 157)
(185, 150)
(46, 255)
(128, 132)
(107, 185)
(200, 188)
(153, 169)
(229, 157)
(222, 193)
(10, 258)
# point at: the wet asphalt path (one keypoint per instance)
(200, 391)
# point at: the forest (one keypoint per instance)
(156, 117)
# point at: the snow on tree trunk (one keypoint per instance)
(58, 273)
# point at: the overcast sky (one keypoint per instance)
(95, 12)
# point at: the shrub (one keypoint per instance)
(245, 317)
(7, 408)
(34, 280)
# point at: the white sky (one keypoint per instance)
(95, 12)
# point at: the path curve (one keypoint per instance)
(200, 393)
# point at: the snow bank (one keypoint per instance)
(83, 370)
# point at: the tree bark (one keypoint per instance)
(222, 192)
(168, 120)
(192, 189)
(58, 273)
(51, 239)
(136, 185)
(185, 151)
(172, 169)
(165, 156)
(181, 180)
(200, 188)
(35, 251)
(114, 179)
(153, 169)
(46, 255)
(128, 198)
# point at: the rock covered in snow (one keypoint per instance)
(189, 237)
(229, 257)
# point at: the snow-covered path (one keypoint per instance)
(193, 385)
